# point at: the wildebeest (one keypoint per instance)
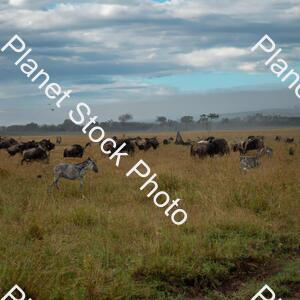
(289, 140)
(147, 144)
(20, 147)
(218, 146)
(108, 146)
(168, 141)
(252, 143)
(7, 142)
(75, 150)
(211, 147)
(153, 142)
(14, 149)
(291, 151)
(200, 149)
(128, 148)
(72, 172)
(38, 153)
(142, 145)
(46, 143)
(277, 138)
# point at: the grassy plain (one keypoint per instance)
(242, 230)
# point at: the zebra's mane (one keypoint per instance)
(83, 164)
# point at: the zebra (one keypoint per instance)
(249, 162)
(72, 172)
(266, 151)
(269, 151)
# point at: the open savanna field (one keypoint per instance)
(242, 230)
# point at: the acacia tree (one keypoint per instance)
(204, 121)
(212, 116)
(187, 120)
(161, 120)
(125, 118)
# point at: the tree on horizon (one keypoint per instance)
(161, 120)
(125, 118)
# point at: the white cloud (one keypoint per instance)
(62, 16)
(250, 10)
(211, 57)
(248, 67)
(16, 2)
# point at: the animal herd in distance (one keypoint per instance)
(202, 148)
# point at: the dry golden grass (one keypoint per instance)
(116, 244)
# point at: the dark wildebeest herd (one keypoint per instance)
(203, 147)
(209, 146)
(30, 150)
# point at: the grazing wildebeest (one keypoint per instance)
(147, 143)
(6, 143)
(72, 172)
(108, 146)
(75, 150)
(142, 145)
(168, 141)
(218, 146)
(38, 153)
(289, 140)
(252, 143)
(291, 151)
(278, 138)
(153, 142)
(128, 148)
(249, 162)
(210, 147)
(200, 149)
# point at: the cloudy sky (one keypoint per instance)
(147, 57)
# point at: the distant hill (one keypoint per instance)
(285, 112)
